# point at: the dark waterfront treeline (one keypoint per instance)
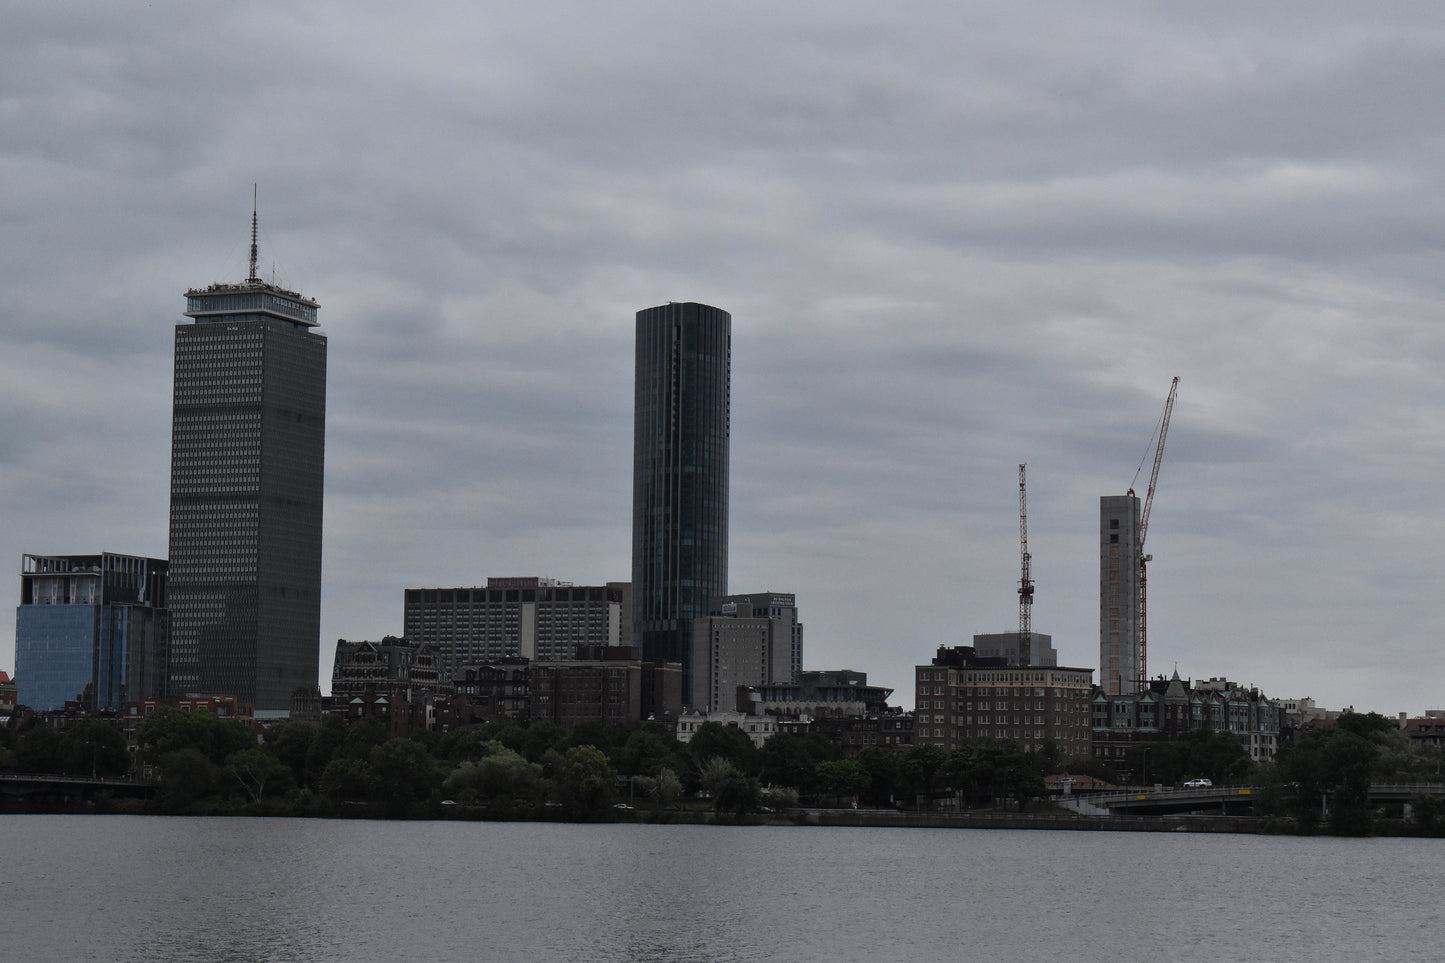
(207, 765)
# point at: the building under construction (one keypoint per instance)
(1120, 668)
(1123, 575)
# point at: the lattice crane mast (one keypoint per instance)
(1026, 580)
(1144, 560)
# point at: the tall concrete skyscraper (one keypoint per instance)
(247, 440)
(1121, 666)
(679, 475)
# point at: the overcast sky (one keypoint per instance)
(953, 237)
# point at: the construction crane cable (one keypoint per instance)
(1150, 448)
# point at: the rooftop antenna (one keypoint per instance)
(254, 279)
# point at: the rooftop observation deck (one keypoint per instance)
(250, 297)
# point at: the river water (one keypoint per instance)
(130, 888)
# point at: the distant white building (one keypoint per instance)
(1299, 712)
(757, 728)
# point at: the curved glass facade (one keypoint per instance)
(679, 474)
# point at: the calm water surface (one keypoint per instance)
(151, 888)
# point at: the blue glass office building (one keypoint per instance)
(679, 475)
(92, 629)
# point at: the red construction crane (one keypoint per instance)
(1144, 560)
(1026, 581)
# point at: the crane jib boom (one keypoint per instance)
(1143, 660)
(1026, 581)
(1158, 457)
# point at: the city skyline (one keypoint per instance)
(952, 240)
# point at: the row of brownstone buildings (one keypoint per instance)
(964, 695)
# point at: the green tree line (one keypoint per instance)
(1322, 778)
(205, 764)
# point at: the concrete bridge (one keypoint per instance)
(1161, 800)
(38, 792)
(1218, 800)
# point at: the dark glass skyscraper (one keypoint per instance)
(679, 475)
(247, 441)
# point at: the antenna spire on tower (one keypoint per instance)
(253, 277)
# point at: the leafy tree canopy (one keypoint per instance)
(789, 759)
(714, 739)
(842, 779)
(169, 729)
(584, 782)
(94, 748)
(644, 752)
(401, 772)
(257, 771)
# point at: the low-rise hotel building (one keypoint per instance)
(961, 696)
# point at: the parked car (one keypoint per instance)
(1199, 784)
